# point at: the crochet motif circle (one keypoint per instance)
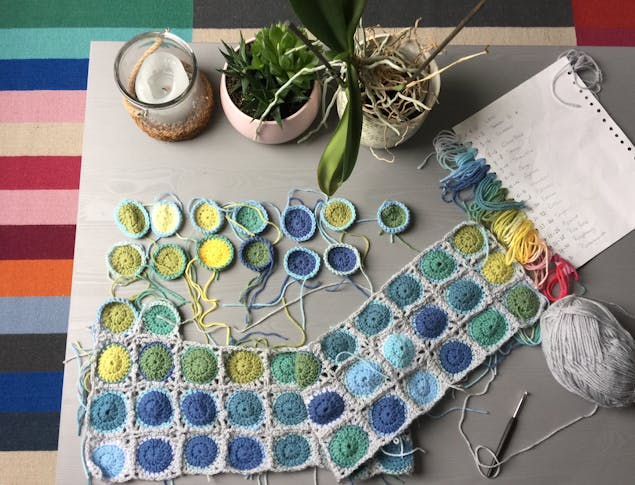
(374, 318)
(464, 295)
(307, 368)
(348, 445)
(168, 261)
(301, 263)
(437, 265)
(198, 408)
(155, 361)
(250, 217)
(468, 240)
(245, 453)
(289, 409)
(455, 356)
(522, 302)
(160, 317)
(244, 366)
(117, 315)
(496, 270)
(215, 252)
(199, 365)
(422, 387)
(126, 260)
(387, 414)
(342, 259)
(363, 378)
(206, 216)
(326, 407)
(283, 367)
(393, 217)
(338, 214)
(113, 363)
(298, 223)
(256, 254)
(292, 450)
(399, 350)
(488, 328)
(110, 459)
(108, 412)
(430, 322)
(155, 455)
(338, 346)
(132, 218)
(394, 456)
(405, 290)
(154, 408)
(200, 451)
(165, 218)
(245, 409)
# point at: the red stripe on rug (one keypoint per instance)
(605, 36)
(37, 242)
(42, 106)
(37, 207)
(54, 172)
(604, 22)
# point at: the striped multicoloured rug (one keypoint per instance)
(43, 69)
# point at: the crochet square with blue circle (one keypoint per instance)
(161, 407)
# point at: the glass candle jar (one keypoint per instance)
(164, 91)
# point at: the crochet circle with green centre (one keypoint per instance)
(155, 362)
(437, 265)
(348, 445)
(252, 218)
(169, 261)
(244, 366)
(393, 216)
(468, 240)
(307, 368)
(133, 218)
(496, 270)
(117, 316)
(488, 328)
(522, 302)
(283, 367)
(160, 318)
(199, 365)
(257, 254)
(126, 260)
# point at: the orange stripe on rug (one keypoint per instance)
(42, 106)
(42, 277)
(32, 207)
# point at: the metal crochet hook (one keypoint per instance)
(506, 437)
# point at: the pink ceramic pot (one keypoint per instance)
(269, 132)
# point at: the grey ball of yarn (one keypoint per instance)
(589, 352)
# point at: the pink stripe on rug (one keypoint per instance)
(42, 106)
(30, 207)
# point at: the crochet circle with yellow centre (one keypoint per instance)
(125, 260)
(496, 270)
(113, 363)
(207, 217)
(117, 316)
(468, 240)
(165, 218)
(244, 366)
(215, 252)
(338, 214)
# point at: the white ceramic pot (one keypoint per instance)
(269, 132)
(376, 134)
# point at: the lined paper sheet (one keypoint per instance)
(573, 166)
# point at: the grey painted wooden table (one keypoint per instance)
(119, 161)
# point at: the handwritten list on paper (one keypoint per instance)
(570, 164)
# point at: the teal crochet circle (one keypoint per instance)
(160, 317)
(245, 409)
(292, 450)
(250, 218)
(338, 346)
(437, 265)
(374, 318)
(399, 350)
(289, 409)
(108, 412)
(110, 459)
(464, 295)
(405, 290)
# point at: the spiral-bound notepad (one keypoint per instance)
(555, 146)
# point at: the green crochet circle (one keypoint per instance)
(488, 328)
(155, 362)
(393, 216)
(348, 445)
(437, 265)
(244, 366)
(283, 367)
(160, 318)
(468, 240)
(199, 365)
(522, 302)
(307, 368)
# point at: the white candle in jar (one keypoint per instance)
(161, 78)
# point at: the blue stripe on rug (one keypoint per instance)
(43, 74)
(67, 43)
(34, 314)
(24, 392)
(29, 431)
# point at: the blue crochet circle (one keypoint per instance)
(399, 350)
(200, 451)
(430, 322)
(374, 318)
(405, 290)
(292, 450)
(387, 414)
(423, 387)
(108, 412)
(345, 222)
(260, 265)
(154, 408)
(198, 408)
(455, 356)
(326, 407)
(298, 223)
(396, 456)
(245, 453)
(363, 378)
(110, 459)
(289, 408)
(342, 259)
(338, 346)
(212, 229)
(145, 224)
(252, 216)
(155, 455)
(245, 409)
(301, 263)
(177, 211)
(393, 206)
(464, 295)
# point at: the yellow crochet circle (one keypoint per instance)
(207, 217)
(117, 316)
(215, 252)
(468, 240)
(126, 260)
(244, 366)
(114, 363)
(165, 218)
(496, 270)
(132, 218)
(338, 214)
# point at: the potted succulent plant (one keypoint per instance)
(270, 90)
